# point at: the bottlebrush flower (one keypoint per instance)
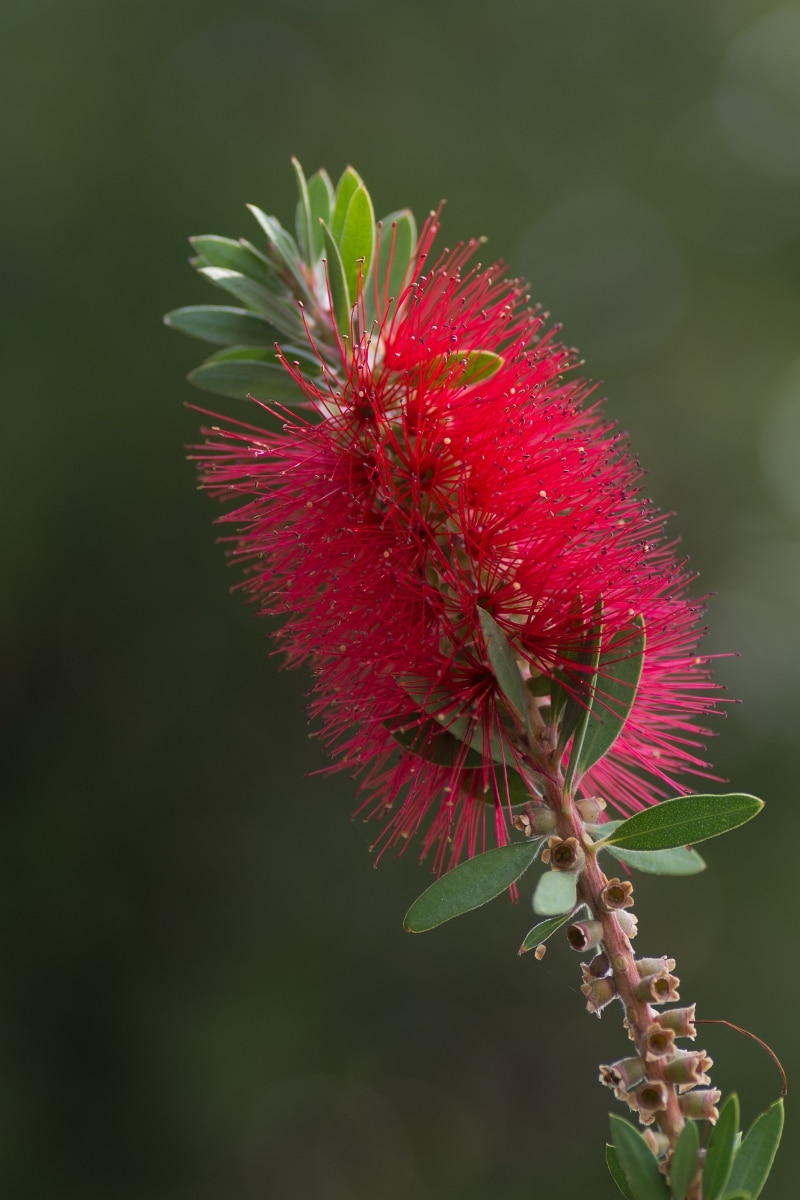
(449, 462)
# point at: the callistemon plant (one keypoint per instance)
(504, 647)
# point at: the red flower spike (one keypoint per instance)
(423, 484)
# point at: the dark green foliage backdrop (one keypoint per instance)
(207, 994)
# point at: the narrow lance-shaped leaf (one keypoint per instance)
(285, 249)
(681, 860)
(753, 1163)
(222, 325)
(470, 885)
(618, 675)
(320, 198)
(438, 704)
(504, 664)
(396, 245)
(429, 741)
(239, 378)
(357, 241)
(617, 1173)
(639, 1164)
(279, 310)
(544, 930)
(719, 1156)
(684, 820)
(303, 227)
(348, 182)
(337, 282)
(556, 893)
(234, 256)
(574, 768)
(684, 1164)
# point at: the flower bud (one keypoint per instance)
(598, 992)
(658, 989)
(566, 854)
(590, 808)
(689, 1067)
(617, 894)
(628, 923)
(657, 1141)
(584, 935)
(701, 1104)
(599, 966)
(680, 1020)
(652, 1096)
(535, 820)
(654, 966)
(658, 1042)
(624, 1073)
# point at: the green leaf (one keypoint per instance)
(470, 885)
(684, 1164)
(618, 675)
(544, 930)
(348, 182)
(719, 1156)
(240, 378)
(684, 820)
(285, 249)
(279, 309)
(234, 256)
(476, 366)
(592, 656)
(439, 704)
(222, 325)
(681, 860)
(428, 740)
(556, 893)
(504, 664)
(617, 1173)
(320, 198)
(302, 220)
(337, 282)
(753, 1163)
(357, 241)
(739, 1196)
(396, 246)
(639, 1164)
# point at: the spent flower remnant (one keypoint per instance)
(499, 632)
(445, 461)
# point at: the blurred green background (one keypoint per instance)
(207, 994)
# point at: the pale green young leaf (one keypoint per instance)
(348, 182)
(680, 860)
(320, 198)
(357, 241)
(470, 885)
(286, 252)
(396, 245)
(556, 893)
